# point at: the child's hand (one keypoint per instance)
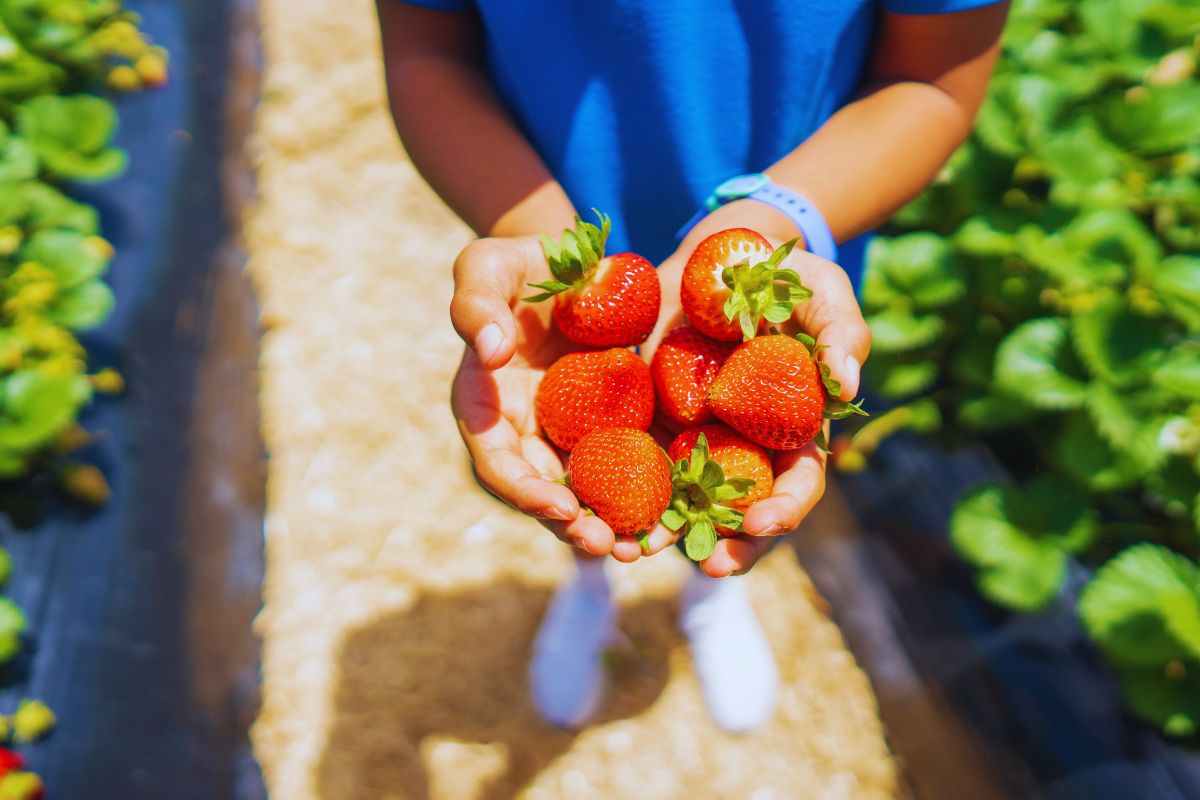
(833, 318)
(509, 346)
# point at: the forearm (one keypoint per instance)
(875, 155)
(925, 83)
(459, 135)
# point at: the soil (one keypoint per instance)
(400, 599)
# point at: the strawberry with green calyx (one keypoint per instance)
(733, 285)
(599, 301)
(623, 476)
(711, 488)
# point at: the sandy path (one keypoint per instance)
(401, 600)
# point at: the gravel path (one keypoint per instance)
(400, 599)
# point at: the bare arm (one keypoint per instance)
(455, 129)
(927, 77)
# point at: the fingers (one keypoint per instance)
(734, 556)
(658, 540)
(498, 452)
(586, 532)
(489, 276)
(834, 318)
(799, 484)
(626, 549)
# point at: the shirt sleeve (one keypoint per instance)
(441, 5)
(934, 6)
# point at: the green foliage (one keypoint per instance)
(1044, 293)
(52, 260)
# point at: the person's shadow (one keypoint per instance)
(455, 665)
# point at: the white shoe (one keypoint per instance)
(567, 674)
(732, 656)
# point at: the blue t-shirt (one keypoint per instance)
(641, 107)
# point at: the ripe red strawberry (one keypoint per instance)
(717, 475)
(733, 285)
(684, 366)
(771, 391)
(582, 392)
(623, 476)
(599, 301)
(10, 760)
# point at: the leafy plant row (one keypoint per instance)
(1044, 296)
(54, 132)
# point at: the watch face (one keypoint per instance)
(741, 186)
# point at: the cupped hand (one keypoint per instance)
(510, 344)
(833, 318)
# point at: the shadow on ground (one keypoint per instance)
(454, 667)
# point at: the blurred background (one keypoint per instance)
(209, 238)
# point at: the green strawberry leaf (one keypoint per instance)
(1085, 455)
(701, 540)
(35, 407)
(673, 519)
(12, 625)
(1178, 374)
(1127, 429)
(1165, 696)
(82, 307)
(989, 412)
(1154, 120)
(916, 268)
(573, 258)
(1142, 608)
(763, 290)
(897, 329)
(1018, 539)
(1036, 364)
(70, 136)
(73, 257)
(896, 379)
(1117, 345)
(1177, 282)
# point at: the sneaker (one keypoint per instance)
(567, 675)
(733, 659)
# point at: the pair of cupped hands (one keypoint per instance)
(511, 343)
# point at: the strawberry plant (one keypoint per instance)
(1044, 296)
(52, 258)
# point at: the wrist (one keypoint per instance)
(745, 213)
(545, 210)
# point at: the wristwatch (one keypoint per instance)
(818, 239)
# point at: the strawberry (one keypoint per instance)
(684, 366)
(597, 389)
(10, 760)
(599, 301)
(733, 285)
(716, 476)
(771, 391)
(623, 476)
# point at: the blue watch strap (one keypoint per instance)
(818, 239)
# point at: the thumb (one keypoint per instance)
(488, 275)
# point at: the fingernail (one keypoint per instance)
(559, 513)
(770, 530)
(852, 368)
(489, 341)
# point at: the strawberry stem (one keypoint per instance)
(573, 258)
(763, 290)
(700, 491)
